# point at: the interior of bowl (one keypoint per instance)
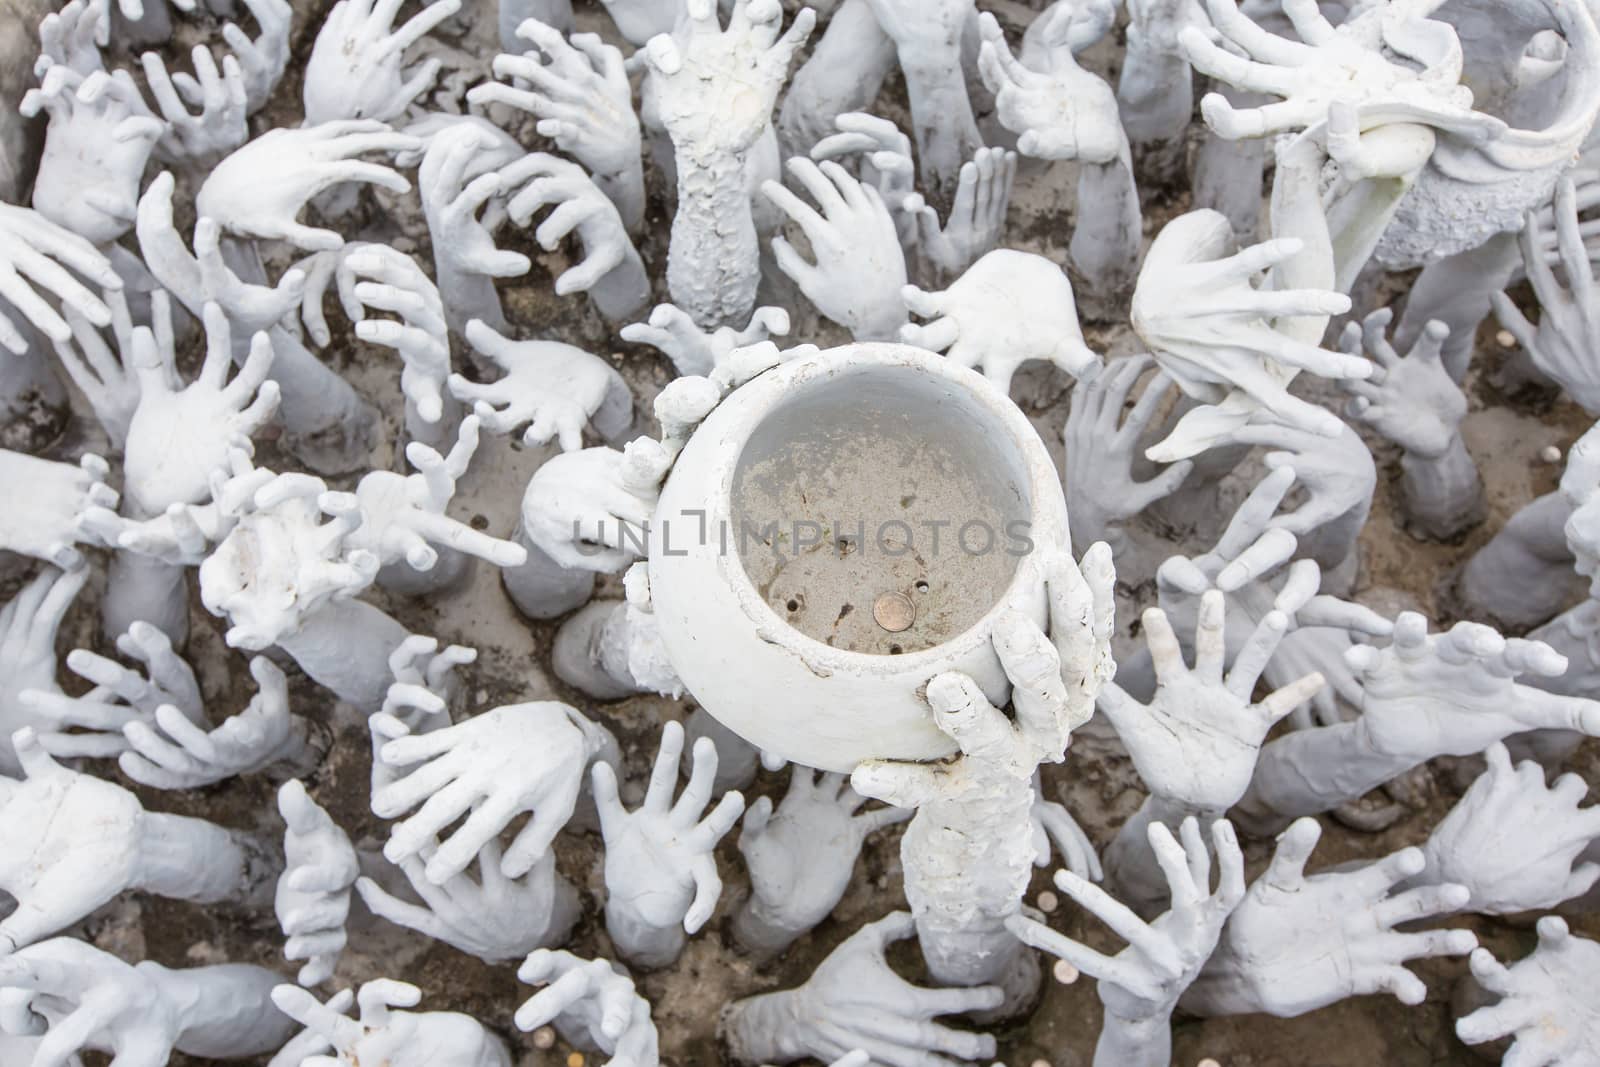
(883, 510)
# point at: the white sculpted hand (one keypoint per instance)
(860, 269)
(1196, 743)
(403, 516)
(1212, 328)
(1008, 308)
(179, 435)
(259, 190)
(355, 67)
(592, 1004)
(1410, 400)
(555, 389)
(38, 255)
(1546, 1005)
(313, 895)
(1300, 942)
(512, 760)
(661, 868)
(579, 91)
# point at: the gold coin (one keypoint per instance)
(894, 612)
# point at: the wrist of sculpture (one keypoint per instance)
(304, 749)
(642, 943)
(714, 258)
(881, 323)
(624, 290)
(1219, 991)
(1313, 771)
(1443, 494)
(624, 187)
(223, 1011)
(1135, 1042)
(758, 1029)
(345, 646)
(198, 861)
(467, 296)
(761, 930)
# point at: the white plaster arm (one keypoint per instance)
(639, 20)
(328, 422)
(694, 351)
(260, 189)
(1101, 448)
(854, 1000)
(1514, 842)
(263, 58)
(1545, 1000)
(495, 918)
(199, 139)
(843, 74)
(1155, 91)
(92, 725)
(927, 39)
(394, 1038)
(801, 857)
(1563, 344)
(516, 759)
(611, 272)
(402, 517)
(1196, 743)
(1212, 328)
(58, 494)
(356, 66)
(1300, 942)
(859, 269)
(1425, 695)
(70, 843)
(1006, 309)
(592, 1003)
(282, 578)
(40, 256)
(554, 388)
(313, 894)
(1062, 111)
(579, 91)
(715, 89)
(1140, 985)
(661, 868)
(80, 998)
(1413, 401)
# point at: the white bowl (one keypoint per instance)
(843, 429)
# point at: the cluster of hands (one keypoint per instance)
(1268, 696)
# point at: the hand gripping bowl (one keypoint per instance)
(837, 532)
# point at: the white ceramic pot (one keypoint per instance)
(839, 531)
